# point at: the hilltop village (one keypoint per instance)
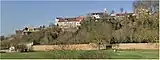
(93, 29)
(75, 22)
(94, 35)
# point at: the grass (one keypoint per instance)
(82, 54)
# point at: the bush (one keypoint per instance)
(21, 48)
(2, 52)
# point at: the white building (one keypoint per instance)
(68, 22)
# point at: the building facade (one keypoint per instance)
(28, 30)
(69, 22)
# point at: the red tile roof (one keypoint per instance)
(99, 13)
(123, 14)
(76, 19)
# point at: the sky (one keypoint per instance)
(18, 14)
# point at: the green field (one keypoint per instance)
(101, 54)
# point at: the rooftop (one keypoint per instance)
(70, 19)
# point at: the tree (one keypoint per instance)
(44, 26)
(112, 12)
(21, 48)
(121, 9)
(152, 6)
(100, 32)
(2, 38)
(147, 21)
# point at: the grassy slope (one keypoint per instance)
(85, 54)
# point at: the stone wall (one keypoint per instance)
(95, 47)
(65, 47)
(137, 46)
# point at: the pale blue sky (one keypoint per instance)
(17, 14)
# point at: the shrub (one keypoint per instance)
(21, 48)
(2, 52)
